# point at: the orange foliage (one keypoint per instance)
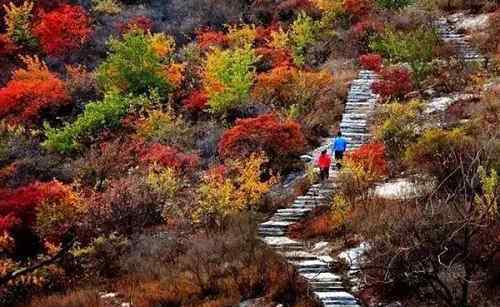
(197, 101)
(265, 133)
(175, 74)
(358, 8)
(168, 156)
(275, 57)
(31, 91)
(18, 206)
(207, 38)
(371, 157)
(7, 47)
(63, 30)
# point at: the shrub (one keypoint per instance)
(287, 87)
(165, 128)
(266, 133)
(55, 216)
(371, 61)
(394, 4)
(228, 77)
(371, 157)
(111, 7)
(30, 206)
(394, 83)
(241, 36)
(165, 181)
(399, 126)
(415, 48)
(303, 34)
(128, 205)
(231, 188)
(442, 154)
(207, 38)
(134, 66)
(358, 8)
(97, 115)
(7, 46)
(167, 156)
(18, 21)
(106, 161)
(197, 101)
(63, 30)
(31, 91)
(142, 23)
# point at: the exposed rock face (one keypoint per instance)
(472, 23)
(311, 264)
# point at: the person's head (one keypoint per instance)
(339, 133)
(324, 152)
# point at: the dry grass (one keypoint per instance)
(79, 298)
(207, 269)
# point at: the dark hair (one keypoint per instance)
(339, 133)
(324, 152)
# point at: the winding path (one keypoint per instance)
(326, 285)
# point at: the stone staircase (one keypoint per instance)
(326, 286)
(446, 30)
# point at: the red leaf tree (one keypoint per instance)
(168, 156)
(31, 91)
(62, 30)
(371, 61)
(395, 83)
(266, 133)
(197, 101)
(371, 157)
(18, 206)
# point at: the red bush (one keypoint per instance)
(196, 101)
(371, 61)
(371, 157)
(358, 8)
(7, 47)
(275, 57)
(263, 133)
(18, 206)
(139, 22)
(365, 28)
(167, 156)
(63, 30)
(30, 92)
(207, 38)
(395, 83)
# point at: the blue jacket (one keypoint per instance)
(339, 144)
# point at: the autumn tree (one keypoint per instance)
(135, 64)
(18, 21)
(97, 115)
(231, 188)
(31, 91)
(278, 139)
(63, 30)
(228, 77)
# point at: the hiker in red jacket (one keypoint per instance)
(324, 162)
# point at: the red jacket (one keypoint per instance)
(324, 161)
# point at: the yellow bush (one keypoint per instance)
(111, 7)
(241, 36)
(230, 189)
(18, 21)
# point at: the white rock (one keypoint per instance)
(473, 23)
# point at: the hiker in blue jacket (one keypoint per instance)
(339, 146)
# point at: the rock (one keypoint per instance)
(401, 188)
(257, 302)
(109, 295)
(473, 23)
